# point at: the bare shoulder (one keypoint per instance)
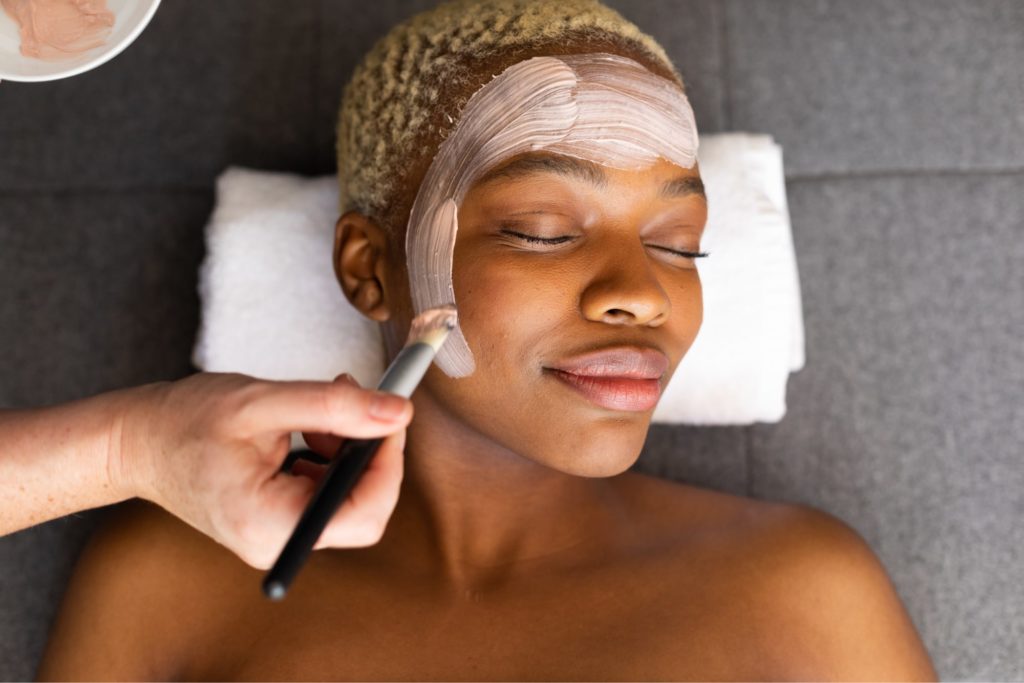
(845, 604)
(138, 579)
(834, 601)
(815, 600)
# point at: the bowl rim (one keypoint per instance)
(100, 59)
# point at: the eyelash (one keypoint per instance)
(566, 238)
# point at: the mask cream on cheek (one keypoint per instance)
(600, 107)
(59, 29)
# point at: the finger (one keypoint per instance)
(323, 444)
(327, 444)
(358, 523)
(326, 407)
(363, 516)
(310, 470)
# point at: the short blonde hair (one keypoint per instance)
(408, 92)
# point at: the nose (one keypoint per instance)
(626, 291)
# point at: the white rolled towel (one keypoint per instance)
(272, 308)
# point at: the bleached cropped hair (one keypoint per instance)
(407, 94)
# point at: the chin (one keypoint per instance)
(600, 455)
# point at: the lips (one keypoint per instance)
(622, 378)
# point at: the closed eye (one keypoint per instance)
(567, 238)
(685, 254)
(538, 240)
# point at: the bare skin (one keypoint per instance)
(707, 587)
(520, 547)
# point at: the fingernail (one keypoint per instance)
(387, 406)
(348, 379)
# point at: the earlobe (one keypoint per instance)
(360, 264)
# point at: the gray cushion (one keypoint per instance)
(907, 420)
(903, 130)
(35, 564)
(879, 85)
(99, 289)
(206, 84)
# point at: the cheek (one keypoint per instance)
(687, 312)
(503, 305)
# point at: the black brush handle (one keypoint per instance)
(342, 474)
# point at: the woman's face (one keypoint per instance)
(578, 300)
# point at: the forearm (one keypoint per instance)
(57, 460)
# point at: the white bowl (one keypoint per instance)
(130, 17)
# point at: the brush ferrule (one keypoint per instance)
(408, 368)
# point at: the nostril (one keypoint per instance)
(615, 314)
(638, 316)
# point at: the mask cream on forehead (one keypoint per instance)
(600, 107)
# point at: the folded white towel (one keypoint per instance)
(272, 308)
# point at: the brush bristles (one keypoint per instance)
(432, 326)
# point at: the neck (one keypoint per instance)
(475, 513)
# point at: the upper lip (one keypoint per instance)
(621, 361)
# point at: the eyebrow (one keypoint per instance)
(684, 186)
(587, 171)
(528, 164)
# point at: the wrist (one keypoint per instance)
(129, 467)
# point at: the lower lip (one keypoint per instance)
(614, 393)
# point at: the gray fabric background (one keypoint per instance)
(902, 123)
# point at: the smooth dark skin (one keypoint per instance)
(520, 548)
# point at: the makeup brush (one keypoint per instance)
(426, 335)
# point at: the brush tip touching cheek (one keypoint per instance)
(433, 326)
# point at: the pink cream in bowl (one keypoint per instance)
(54, 30)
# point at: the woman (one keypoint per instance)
(520, 547)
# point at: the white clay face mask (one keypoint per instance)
(600, 107)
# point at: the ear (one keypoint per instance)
(360, 264)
